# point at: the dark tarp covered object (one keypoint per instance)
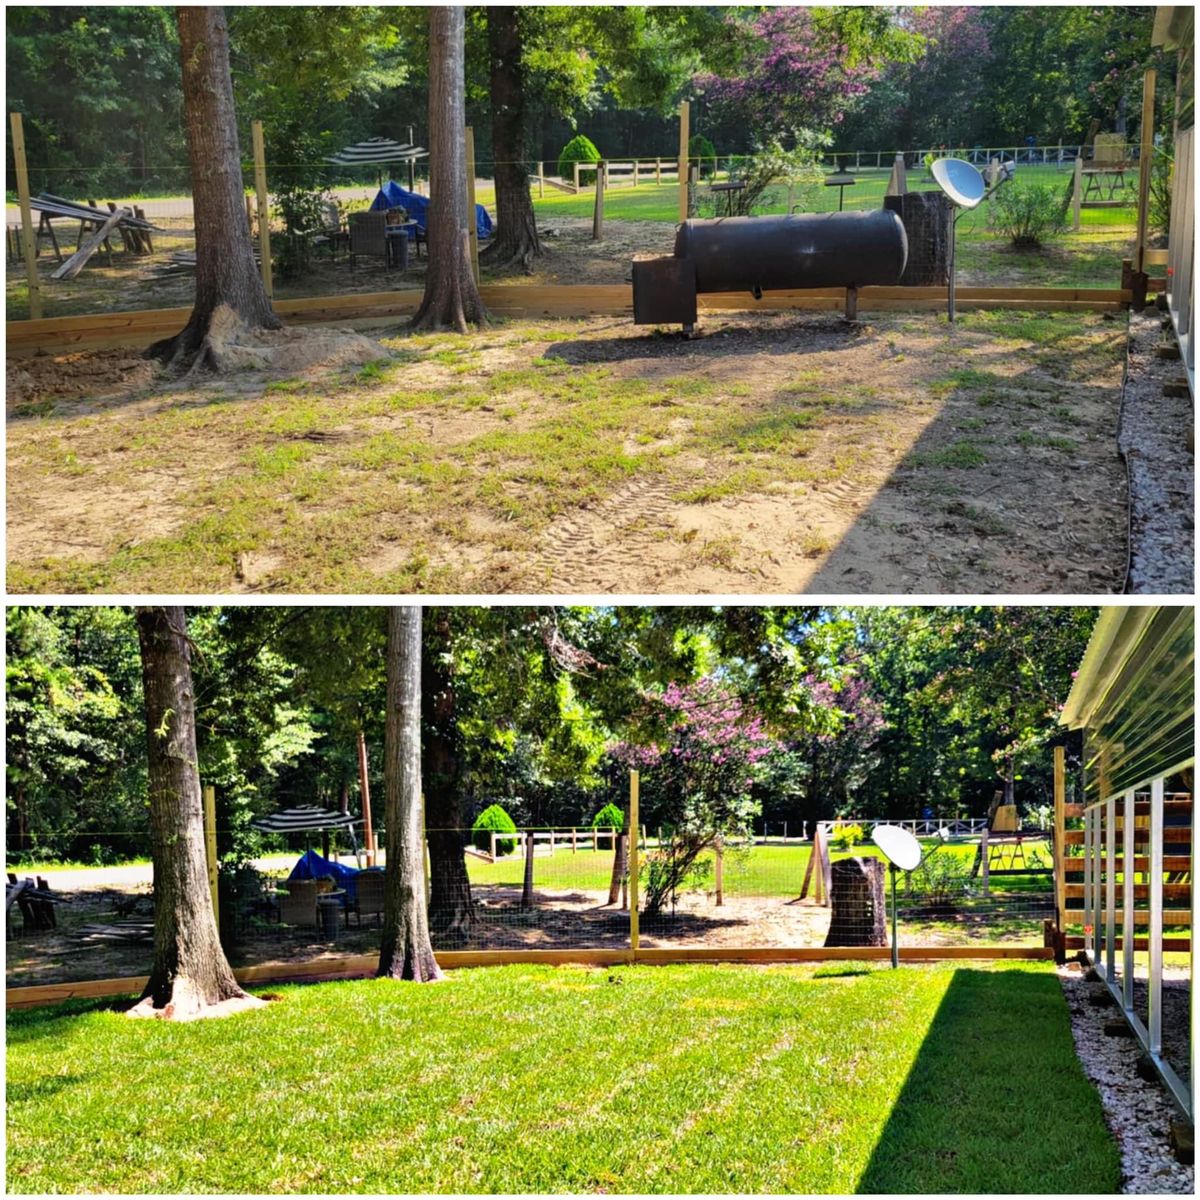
(392, 195)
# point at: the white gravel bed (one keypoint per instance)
(1152, 437)
(1138, 1112)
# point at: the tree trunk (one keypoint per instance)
(451, 911)
(620, 866)
(859, 911)
(406, 952)
(225, 269)
(516, 238)
(190, 976)
(451, 297)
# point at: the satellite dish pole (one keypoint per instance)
(903, 853)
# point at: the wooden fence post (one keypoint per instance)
(28, 241)
(684, 119)
(472, 225)
(598, 210)
(210, 846)
(1077, 196)
(1060, 829)
(633, 864)
(720, 870)
(635, 172)
(658, 170)
(527, 884)
(574, 831)
(984, 858)
(1145, 161)
(541, 179)
(264, 207)
(575, 169)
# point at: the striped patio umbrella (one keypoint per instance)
(379, 152)
(307, 817)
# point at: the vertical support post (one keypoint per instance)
(527, 885)
(574, 833)
(541, 179)
(595, 839)
(210, 846)
(1097, 871)
(1077, 196)
(719, 870)
(1110, 887)
(575, 170)
(1145, 161)
(598, 209)
(635, 172)
(658, 170)
(250, 214)
(984, 858)
(1155, 938)
(263, 202)
(1127, 925)
(1089, 940)
(1060, 832)
(633, 864)
(684, 118)
(424, 851)
(28, 242)
(551, 841)
(365, 788)
(472, 226)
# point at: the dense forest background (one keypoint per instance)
(100, 87)
(880, 712)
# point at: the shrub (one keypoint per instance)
(847, 837)
(940, 879)
(609, 817)
(493, 819)
(1027, 213)
(578, 149)
(702, 152)
(1160, 187)
(772, 167)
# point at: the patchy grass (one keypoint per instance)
(723, 1079)
(448, 464)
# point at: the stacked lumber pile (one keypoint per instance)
(132, 227)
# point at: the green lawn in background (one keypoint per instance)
(759, 871)
(725, 1079)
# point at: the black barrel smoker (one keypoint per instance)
(763, 254)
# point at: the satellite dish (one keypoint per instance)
(899, 846)
(959, 180)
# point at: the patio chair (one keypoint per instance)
(368, 235)
(299, 906)
(369, 889)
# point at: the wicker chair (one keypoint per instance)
(368, 235)
(299, 906)
(369, 890)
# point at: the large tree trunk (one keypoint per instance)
(406, 952)
(225, 269)
(859, 915)
(516, 238)
(190, 976)
(451, 297)
(451, 911)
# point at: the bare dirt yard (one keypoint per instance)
(774, 453)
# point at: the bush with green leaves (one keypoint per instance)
(846, 837)
(493, 819)
(772, 169)
(1161, 167)
(578, 150)
(609, 817)
(939, 881)
(1028, 213)
(703, 153)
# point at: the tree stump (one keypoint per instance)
(927, 218)
(859, 913)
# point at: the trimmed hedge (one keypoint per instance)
(493, 819)
(610, 816)
(578, 149)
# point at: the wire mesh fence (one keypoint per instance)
(315, 251)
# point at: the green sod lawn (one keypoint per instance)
(760, 871)
(840, 1078)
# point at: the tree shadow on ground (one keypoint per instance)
(996, 1100)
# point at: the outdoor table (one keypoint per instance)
(397, 243)
(329, 908)
(734, 185)
(840, 180)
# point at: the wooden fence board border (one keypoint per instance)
(568, 300)
(359, 966)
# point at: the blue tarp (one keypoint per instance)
(311, 865)
(392, 195)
